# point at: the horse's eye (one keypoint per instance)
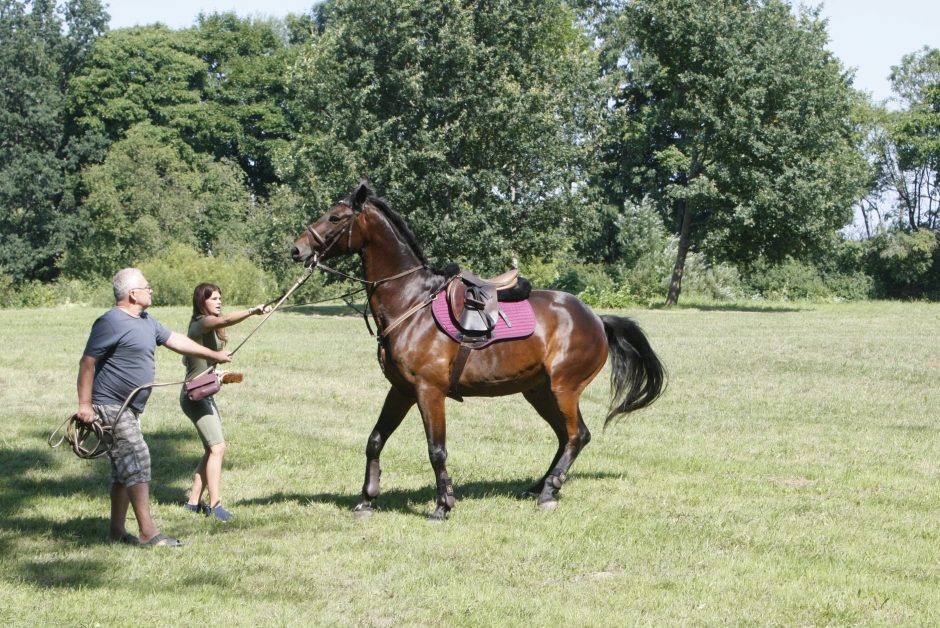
(334, 218)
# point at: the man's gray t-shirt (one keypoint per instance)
(124, 347)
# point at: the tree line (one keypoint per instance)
(623, 150)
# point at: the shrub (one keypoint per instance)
(904, 264)
(855, 286)
(791, 280)
(177, 270)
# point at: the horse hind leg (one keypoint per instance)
(395, 408)
(562, 412)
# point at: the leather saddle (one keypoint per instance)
(474, 301)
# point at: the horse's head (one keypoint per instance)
(335, 232)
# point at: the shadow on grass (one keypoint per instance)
(766, 308)
(34, 475)
(413, 501)
(66, 573)
(37, 477)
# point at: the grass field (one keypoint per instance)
(789, 476)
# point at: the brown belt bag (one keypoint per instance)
(203, 386)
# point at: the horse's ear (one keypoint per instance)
(363, 192)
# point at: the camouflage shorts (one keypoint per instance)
(130, 457)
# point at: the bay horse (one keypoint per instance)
(551, 367)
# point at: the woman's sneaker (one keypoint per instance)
(219, 513)
(199, 508)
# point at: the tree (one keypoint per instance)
(220, 85)
(145, 74)
(36, 59)
(910, 146)
(471, 120)
(734, 118)
(243, 113)
(151, 191)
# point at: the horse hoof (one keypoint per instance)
(549, 505)
(438, 516)
(363, 512)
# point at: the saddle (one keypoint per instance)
(474, 302)
(472, 311)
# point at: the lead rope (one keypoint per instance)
(77, 431)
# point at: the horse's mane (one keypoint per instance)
(399, 223)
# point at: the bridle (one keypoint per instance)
(369, 286)
(314, 257)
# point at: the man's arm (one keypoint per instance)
(86, 380)
(187, 346)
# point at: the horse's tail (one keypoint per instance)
(637, 376)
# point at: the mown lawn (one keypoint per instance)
(789, 476)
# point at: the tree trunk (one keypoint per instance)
(685, 228)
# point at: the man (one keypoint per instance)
(119, 357)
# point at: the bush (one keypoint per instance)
(855, 286)
(791, 280)
(59, 292)
(904, 264)
(175, 272)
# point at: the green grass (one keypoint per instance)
(789, 476)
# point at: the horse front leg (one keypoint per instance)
(431, 404)
(394, 409)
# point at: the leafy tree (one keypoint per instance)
(470, 116)
(152, 190)
(905, 264)
(910, 146)
(36, 59)
(734, 118)
(219, 85)
(220, 89)
(243, 113)
(132, 75)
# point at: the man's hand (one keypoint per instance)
(85, 413)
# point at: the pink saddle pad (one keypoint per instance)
(519, 313)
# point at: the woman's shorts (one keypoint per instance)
(205, 416)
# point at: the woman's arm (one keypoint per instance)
(211, 322)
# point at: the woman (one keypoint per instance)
(207, 327)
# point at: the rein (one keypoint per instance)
(370, 287)
(78, 432)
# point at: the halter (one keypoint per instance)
(315, 255)
(369, 286)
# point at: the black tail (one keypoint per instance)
(637, 376)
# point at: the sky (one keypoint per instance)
(867, 35)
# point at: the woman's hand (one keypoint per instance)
(261, 309)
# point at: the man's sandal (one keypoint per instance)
(162, 540)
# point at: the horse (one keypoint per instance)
(550, 368)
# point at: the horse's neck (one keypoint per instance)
(386, 255)
(387, 258)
